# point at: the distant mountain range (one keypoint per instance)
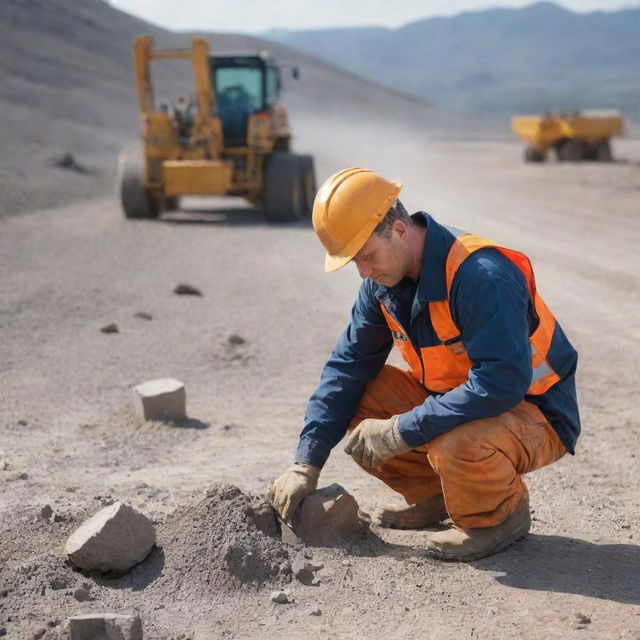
(496, 62)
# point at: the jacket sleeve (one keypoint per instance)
(356, 359)
(490, 305)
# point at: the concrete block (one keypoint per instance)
(102, 626)
(328, 517)
(115, 539)
(162, 399)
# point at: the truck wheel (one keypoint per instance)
(283, 197)
(603, 151)
(308, 183)
(135, 199)
(571, 150)
(531, 154)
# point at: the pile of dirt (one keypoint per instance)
(225, 540)
(219, 545)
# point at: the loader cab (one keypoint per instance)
(243, 85)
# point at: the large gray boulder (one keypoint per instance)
(102, 626)
(114, 539)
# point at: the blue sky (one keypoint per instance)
(256, 16)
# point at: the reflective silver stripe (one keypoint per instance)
(455, 231)
(540, 372)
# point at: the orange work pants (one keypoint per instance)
(477, 466)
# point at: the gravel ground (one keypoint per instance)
(68, 435)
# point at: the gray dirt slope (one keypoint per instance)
(67, 86)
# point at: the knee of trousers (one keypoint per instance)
(452, 450)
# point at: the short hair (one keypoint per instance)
(397, 211)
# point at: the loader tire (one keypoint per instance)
(283, 196)
(571, 150)
(135, 199)
(603, 151)
(308, 183)
(531, 154)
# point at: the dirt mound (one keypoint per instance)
(221, 544)
(223, 541)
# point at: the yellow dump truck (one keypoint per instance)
(573, 135)
(230, 138)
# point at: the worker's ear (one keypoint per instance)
(400, 228)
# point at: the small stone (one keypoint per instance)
(143, 315)
(22, 423)
(280, 597)
(3, 632)
(59, 517)
(102, 625)
(46, 512)
(183, 289)
(109, 328)
(81, 595)
(316, 612)
(162, 399)
(39, 633)
(115, 539)
(235, 339)
(582, 619)
(23, 476)
(58, 583)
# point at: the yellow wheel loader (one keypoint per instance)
(232, 138)
(573, 135)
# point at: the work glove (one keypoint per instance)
(295, 484)
(374, 441)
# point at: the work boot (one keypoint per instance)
(415, 516)
(465, 545)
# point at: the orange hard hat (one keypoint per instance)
(347, 208)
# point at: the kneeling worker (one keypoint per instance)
(490, 390)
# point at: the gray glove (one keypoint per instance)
(374, 441)
(290, 489)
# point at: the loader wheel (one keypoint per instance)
(571, 151)
(136, 201)
(308, 183)
(283, 196)
(531, 154)
(603, 151)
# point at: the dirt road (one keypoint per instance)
(66, 415)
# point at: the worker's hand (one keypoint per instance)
(373, 442)
(292, 487)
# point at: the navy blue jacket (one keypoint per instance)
(490, 304)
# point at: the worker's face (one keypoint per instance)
(386, 260)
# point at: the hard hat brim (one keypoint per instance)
(335, 262)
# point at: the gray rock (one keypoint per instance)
(109, 328)
(46, 512)
(143, 315)
(328, 517)
(114, 539)
(102, 626)
(183, 289)
(81, 595)
(280, 597)
(162, 399)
